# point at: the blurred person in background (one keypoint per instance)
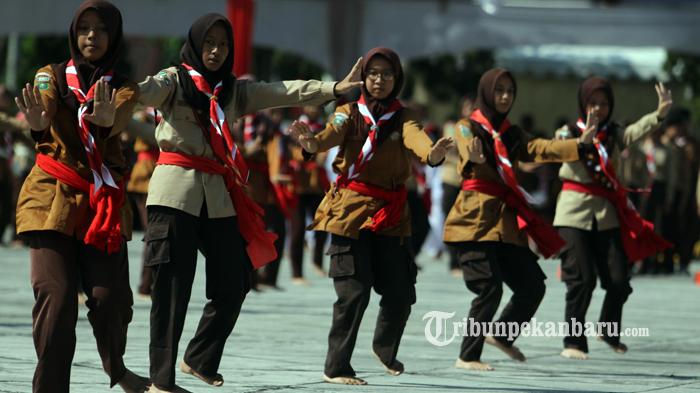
(311, 183)
(12, 132)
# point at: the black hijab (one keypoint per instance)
(89, 73)
(191, 54)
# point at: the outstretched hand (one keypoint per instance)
(302, 133)
(440, 148)
(32, 106)
(104, 106)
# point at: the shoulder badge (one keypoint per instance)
(339, 118)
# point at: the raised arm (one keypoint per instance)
(649, 121)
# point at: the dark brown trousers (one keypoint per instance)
(58, 262)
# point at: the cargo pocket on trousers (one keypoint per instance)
(157, 244)
(475, 266)
(342, 260)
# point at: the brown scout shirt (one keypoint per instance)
(480, 217)
(344, 212)
(309, 182)
(187, 189)
(47, 204)
(143, 169)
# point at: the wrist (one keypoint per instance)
(335, 89)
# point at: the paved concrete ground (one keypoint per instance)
(280, 341)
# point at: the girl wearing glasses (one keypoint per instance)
(366, 212)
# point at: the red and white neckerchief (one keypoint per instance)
(100, 172)
(503, 164)
(604, 164)
(220, 134)
(370, 144)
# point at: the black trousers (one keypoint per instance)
(384, 263)
(588, 255)
(274, 222)
(449, 196)
(172, 239)
(308, 203)
(146, 273)
(420, 226)
(58, 262)
(485, 267)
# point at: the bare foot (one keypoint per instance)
(319, 271)
(216, 380)
(513, 352)
(395, 369)
(619, 348)
(132, 383)
(176, 389)
(144, 296)
(573, 353)
(301, 281)
(456, 273)
(344, 380)
(473, 366)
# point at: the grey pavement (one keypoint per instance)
(279, 342)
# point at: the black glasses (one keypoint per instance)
(386, 75)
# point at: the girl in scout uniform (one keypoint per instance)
(366, 212)
(491, 220)
(196, 199)
(71, 207)
(602, 230)
(310, 184)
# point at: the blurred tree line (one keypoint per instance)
(684, 69)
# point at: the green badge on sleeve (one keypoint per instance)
(163, 76)
(466, 132)
(43, 86)
(339, 118)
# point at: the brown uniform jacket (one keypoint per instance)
(143, 169)
(47, 204)
(309, 181)
(260, 184)
(344, 212)
(480, 217)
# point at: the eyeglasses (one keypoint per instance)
(386, 75)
